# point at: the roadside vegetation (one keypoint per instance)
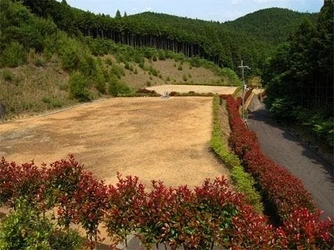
(211, 214)
(299, 80)
(242, 181)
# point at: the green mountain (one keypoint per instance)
(273, 25)
(251, 38)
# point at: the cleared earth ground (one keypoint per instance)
(152, 138)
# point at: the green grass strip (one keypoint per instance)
(242, 181)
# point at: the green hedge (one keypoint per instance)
(242, 181)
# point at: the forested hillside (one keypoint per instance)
(273, 25)
(43, 67)
(299, 77)
(224, 44)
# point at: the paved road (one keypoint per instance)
(291, 153)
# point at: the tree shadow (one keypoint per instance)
(308, 165)
(309, 150)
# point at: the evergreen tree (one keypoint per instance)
(118, 14)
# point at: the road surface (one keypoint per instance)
(291, 153)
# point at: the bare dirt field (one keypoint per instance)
(152, 138)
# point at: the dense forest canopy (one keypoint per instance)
(223, 43)
(273, 25)
(299, 77)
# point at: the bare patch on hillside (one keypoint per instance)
(169, 72)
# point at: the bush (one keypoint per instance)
(162, 55)
(78, 87)
(117, 71)
(180, 67)
(99, 80)
(153, 71)
(118, 88)
(53, 102)
(7, 75)
(108, 61)
(283, 191)
(243, 182)
(210, 214)
(14, 55)
(24, 228)
(40, 61)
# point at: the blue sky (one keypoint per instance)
(216, 10)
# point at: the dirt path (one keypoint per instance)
(290, 152)
(152, 138)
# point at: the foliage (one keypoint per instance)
(146, 92)
(210, 214)
(117, 71)
(78, 87)
(7, 75)
(301, 230)
(118, 88)
(190, 93)
(18, 181)
(243, 182)
(214, 41)
(21, 26)
(14, 55)
(272, 25)
(123, 198)
(25, 228)
(299, 76)
(278, 185)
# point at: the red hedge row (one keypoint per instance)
(211, 214)
(279, 186)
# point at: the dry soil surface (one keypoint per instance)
(152, 138)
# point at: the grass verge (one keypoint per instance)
(242, 181)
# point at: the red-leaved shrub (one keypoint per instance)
(277, 184)
(208, 215)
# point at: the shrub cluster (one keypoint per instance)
(147, 92)
(190, 93)
(27, 229)
(280, 188)
(243, 181)
(210, 214)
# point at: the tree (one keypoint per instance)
(118, 14)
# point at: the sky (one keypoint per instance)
(215, 10)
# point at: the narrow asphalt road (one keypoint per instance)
(291, 153)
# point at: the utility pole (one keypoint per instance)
(243, 67)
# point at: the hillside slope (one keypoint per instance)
(273, 25)
(224, 44)
(42, 67)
